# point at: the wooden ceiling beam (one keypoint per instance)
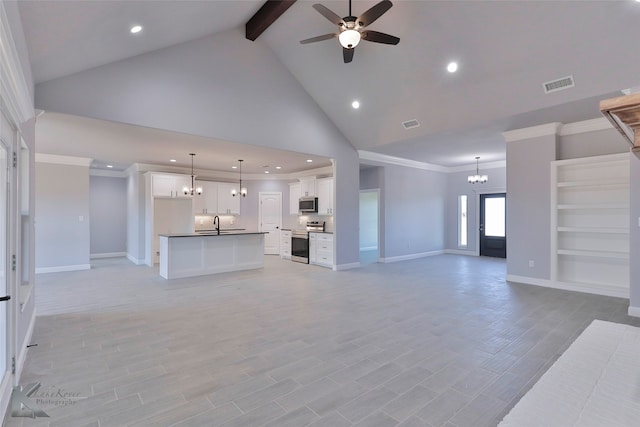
(270, 11)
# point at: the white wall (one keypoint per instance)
(62, 217)
(187, 88)
(108, 215)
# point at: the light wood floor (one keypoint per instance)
(439, 341)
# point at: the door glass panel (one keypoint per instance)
(494, 220)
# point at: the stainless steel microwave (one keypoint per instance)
(308, 204)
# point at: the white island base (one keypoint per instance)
(188, 255)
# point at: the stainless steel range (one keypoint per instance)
(300, 241)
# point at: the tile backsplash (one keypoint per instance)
(205, 222)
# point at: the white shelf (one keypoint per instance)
(590, 223)
(594, 254)
(606, 230)
(614, 182)
(591, 206)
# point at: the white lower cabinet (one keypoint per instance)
(285, 244)
(321, 249)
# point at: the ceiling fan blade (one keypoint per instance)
(374, 13)
(331, 16)
(378, 37)
(347, 54)
(319, 38)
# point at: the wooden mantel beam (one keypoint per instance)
(265, 16)
(624, 113)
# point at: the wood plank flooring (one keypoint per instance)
(439, 341)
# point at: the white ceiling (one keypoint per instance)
(506, 50)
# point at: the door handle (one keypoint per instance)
(5, 298)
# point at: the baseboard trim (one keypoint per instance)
(348, 266)
(108, 255)
(609, 291)
(460, 252)
(22, 356)
(63, 268)
(411, 256)
(134, 260)
(369, 248)
(634, 311)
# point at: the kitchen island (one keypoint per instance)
(199, 254)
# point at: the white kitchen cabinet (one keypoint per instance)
(294, 197)
(169, 185)
(325, 196)
(308, 186)
(285, 244)
(321, 249)
(590, 224)
(207, 202)
(227, 203)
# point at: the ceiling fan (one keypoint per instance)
(351, 29)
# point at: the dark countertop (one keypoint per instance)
(213, 233)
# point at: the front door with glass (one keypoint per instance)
(493, 236)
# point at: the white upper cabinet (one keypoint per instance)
(294, 197)
(170, 185)
(227, 203)
(325, 196)
(207, 202)
(308, 186)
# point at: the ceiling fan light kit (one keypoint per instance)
(351, 29)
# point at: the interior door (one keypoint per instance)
(270, 217)
(493, 225)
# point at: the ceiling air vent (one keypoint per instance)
(409, 124)
(558, 84)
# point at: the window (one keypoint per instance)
(462, 221)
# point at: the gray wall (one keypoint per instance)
(414, 208)
(108, 214)
(458, 185)
(597, 143)
(135, 216)
(529, 206)
(62, 196)
(185, 88)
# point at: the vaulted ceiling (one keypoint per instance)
(506, 50)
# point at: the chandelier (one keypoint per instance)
(193, 190)
(243, 190)
(477, 178)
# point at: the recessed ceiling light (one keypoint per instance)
(266, 172)
(309, 161)
(109, 166)
(280, 167)
(136, 29)
(172, 160)
(234, 167)
(452, 67)
(355, 105)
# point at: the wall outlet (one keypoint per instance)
(531, 263)
(81, 218)
(201, 221)
(232, 221)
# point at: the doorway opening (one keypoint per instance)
(493, 225)
(369, 226)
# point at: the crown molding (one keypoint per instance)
(392, 160)
(15, 90)
(63, 160)
(585, 126)
(108, 173)
(483, 166)
(532, 132)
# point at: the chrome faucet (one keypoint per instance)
(216, 223)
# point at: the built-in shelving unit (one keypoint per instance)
(590, 224)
